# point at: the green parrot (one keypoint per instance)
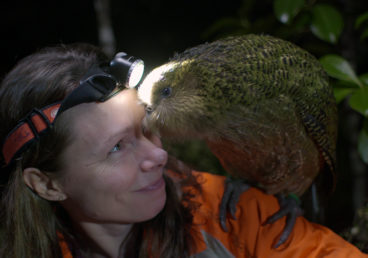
(263, 105)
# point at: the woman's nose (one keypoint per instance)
(154, 157)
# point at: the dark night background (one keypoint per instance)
(155, 30)
(151, 30)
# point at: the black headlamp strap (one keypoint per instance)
(96, 87)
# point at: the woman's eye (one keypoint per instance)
(116, 148)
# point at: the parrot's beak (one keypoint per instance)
(148, 109)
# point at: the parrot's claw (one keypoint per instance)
(289, 207)
(233, 190)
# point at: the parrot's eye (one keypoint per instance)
(166, 92)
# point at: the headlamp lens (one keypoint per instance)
(135, 73)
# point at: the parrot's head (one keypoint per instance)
(174, 99)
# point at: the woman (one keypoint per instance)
(83, 178)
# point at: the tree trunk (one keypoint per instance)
(105, 30)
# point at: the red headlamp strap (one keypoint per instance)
(28, 129)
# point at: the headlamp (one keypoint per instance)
(99, 84)
(102, 82)
(127, 68)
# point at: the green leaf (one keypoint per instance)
(327, 23)
(345, 84)
(364, 78)
(341, 94)
(339, 68)
(361, 18)
(363, 145)
(364, 34)
(286, 10)
(359, 101)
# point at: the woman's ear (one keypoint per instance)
(43, 185)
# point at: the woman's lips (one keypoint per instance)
(154, 186)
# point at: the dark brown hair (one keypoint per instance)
(29, 224)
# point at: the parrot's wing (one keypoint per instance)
(267, 145)
(325, 143)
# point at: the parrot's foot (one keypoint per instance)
(233, 189)
(289, 207)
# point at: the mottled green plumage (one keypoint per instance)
(263, 105)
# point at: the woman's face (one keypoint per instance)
(113, 172)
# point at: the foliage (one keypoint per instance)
(358, 233)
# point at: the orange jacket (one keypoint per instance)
(247, 236)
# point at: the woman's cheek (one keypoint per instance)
(122, 176)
